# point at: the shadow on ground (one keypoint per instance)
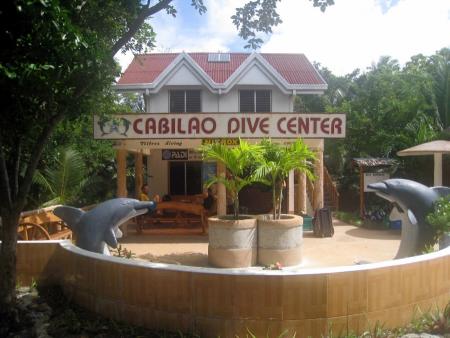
(374, 234)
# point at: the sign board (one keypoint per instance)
(195, 155)
(219, 125)
(224, 141)
(370, 178)
(196, 143)
(175, 154)
(157, 144)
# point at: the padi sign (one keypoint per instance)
(175, 154)
(219, 125)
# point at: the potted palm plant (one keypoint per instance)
(232, 238)
(280, 235)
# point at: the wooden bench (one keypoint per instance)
(175, 212)
(42, 224)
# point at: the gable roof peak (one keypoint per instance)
(288, 70)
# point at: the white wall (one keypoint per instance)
(158, 103)
(211, 102)
(229, 102)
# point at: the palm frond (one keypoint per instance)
(66, 179)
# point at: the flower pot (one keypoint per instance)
(444, 241)
(232, 243)
(280, 240)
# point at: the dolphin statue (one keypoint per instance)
(100, 225)
(415, 200)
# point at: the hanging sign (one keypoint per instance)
(219, 125)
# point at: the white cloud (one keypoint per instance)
(355, 33)
(351, 34)
(174, 35)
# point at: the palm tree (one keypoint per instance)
(439, 66)
(276, 162)
(65, 181)
(238, 161)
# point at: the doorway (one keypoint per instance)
(185, 177)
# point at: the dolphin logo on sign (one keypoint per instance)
(108, 126)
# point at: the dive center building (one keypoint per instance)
(196, 98)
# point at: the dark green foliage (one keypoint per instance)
(440, 217)
(389, 108)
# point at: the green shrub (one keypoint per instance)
(439, 219)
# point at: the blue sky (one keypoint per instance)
(351, 34)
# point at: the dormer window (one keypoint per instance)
(255, 101)
(185, 101)
(219, 57)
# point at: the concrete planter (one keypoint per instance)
(280, 240)
(232, 243)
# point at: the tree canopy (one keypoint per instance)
(389, 107)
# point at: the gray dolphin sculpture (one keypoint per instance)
(416, 201)
(100, 225)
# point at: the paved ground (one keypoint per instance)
(348, 245)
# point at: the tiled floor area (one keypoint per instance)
(349, 245)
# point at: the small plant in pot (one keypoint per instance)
(280, 236)
(439, 219)
(232, 238)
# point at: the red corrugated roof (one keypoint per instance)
(146, 68)
(219, 72)
(294, 68)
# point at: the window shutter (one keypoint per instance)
(246, 101)
(263, 101)
(193, 104)
(176, 101)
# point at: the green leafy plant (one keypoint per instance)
(123, 252)
(238, 161)
(434, 321)
(439, 219)
(65, 180)
(275, 163)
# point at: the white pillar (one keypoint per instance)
(291, 193)
(437, 169)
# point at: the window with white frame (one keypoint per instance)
(184, 101)
(255, 101)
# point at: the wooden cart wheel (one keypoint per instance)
(32, 231)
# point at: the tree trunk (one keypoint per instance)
(236, 207)
(8, 269)
(274, 201)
